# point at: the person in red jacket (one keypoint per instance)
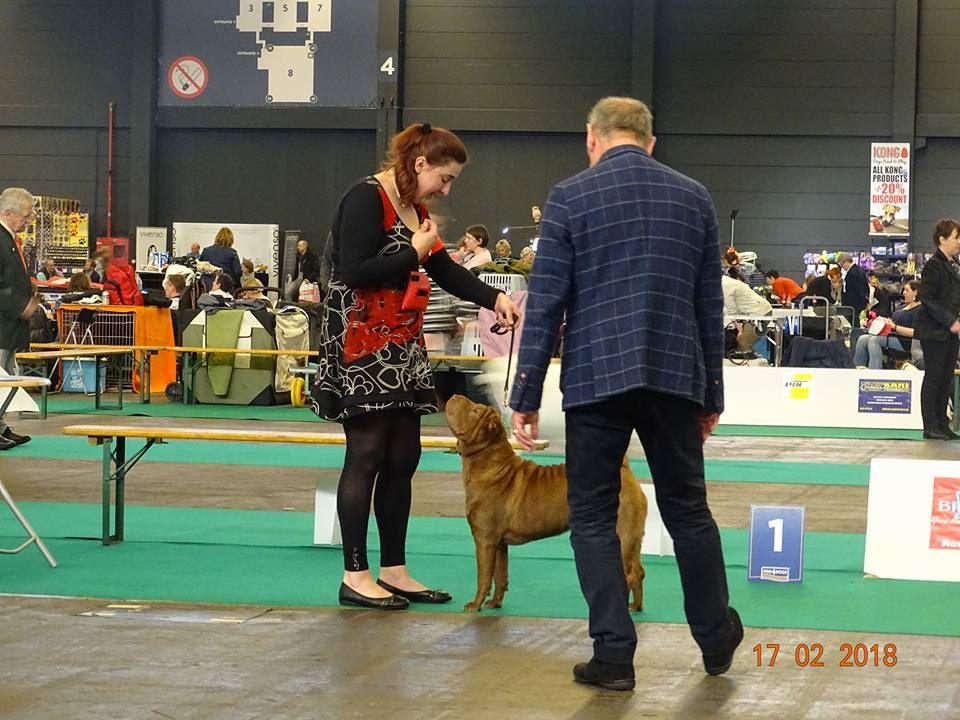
(120, 280)
(783, 287)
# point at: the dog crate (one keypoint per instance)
(508, 282)
(80, 325)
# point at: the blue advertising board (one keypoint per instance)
(884, 396)
(776, 543)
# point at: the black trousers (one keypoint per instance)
(939, 361)
(597, 437)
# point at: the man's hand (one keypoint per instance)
(708, 422)
(30, 309)
(955, 328)
(521, 422)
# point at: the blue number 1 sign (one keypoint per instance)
(776, 543)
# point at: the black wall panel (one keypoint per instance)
(772, 104)
(64, 61)
(472, 64)
(293, 178)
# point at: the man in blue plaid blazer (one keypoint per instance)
(629, 255)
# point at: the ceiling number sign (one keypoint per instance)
(188, 77)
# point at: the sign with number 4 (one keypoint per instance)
(776, 543)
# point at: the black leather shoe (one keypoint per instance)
(434, 597)
(612, 676)
(9, 434)
(6, 444)
(951, 435)
(935, 435)
(718, 663)
(349, 596)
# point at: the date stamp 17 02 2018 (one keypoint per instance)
(850, 655)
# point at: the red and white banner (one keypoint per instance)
(890, 189)
(945, 514)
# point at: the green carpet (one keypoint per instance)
(265, 558)
(160, 407)
(817, 432)
(331, 456)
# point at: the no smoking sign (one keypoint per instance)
(188, 77)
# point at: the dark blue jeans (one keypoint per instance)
(597, 437)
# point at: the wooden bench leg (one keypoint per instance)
(113, 460)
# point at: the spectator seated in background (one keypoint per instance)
(526, 255)
(246, 271)
(252, 296)
(783, 287)
(474, 244)
(174, 286)
(504, 251)
(49, 271)
(873, 349)
(221, 295)
(79, 283)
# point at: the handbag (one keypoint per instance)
(417, 294)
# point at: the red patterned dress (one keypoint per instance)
(372, 354)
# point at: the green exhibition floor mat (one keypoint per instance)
(240, 557)
(331, 456)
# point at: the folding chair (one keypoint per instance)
(13, 383)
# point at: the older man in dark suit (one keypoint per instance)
(629, 253)
(856, 291)
(17, 299)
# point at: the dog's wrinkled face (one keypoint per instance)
(473, 424)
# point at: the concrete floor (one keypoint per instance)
(76, 658)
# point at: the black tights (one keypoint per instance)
(383, 450)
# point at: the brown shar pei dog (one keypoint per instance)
(511, 501)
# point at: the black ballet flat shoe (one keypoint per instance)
(349, 596)
(433, 597)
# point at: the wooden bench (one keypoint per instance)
(48, 358)
(116, 465)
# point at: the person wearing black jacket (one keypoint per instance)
(18, 302)
(938, 327)
(826, 286)
(855, 290)
(306, 267)
(374, 375)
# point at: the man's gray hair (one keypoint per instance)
(844, 258)
(622, 115)
(14, 199)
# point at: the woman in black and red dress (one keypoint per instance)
(374, 376)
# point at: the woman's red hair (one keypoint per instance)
(438, 145)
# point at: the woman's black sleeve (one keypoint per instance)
(360, 235)
(459, 281)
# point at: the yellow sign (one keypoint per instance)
(799, 386)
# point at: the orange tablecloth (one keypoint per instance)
(151, 326)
